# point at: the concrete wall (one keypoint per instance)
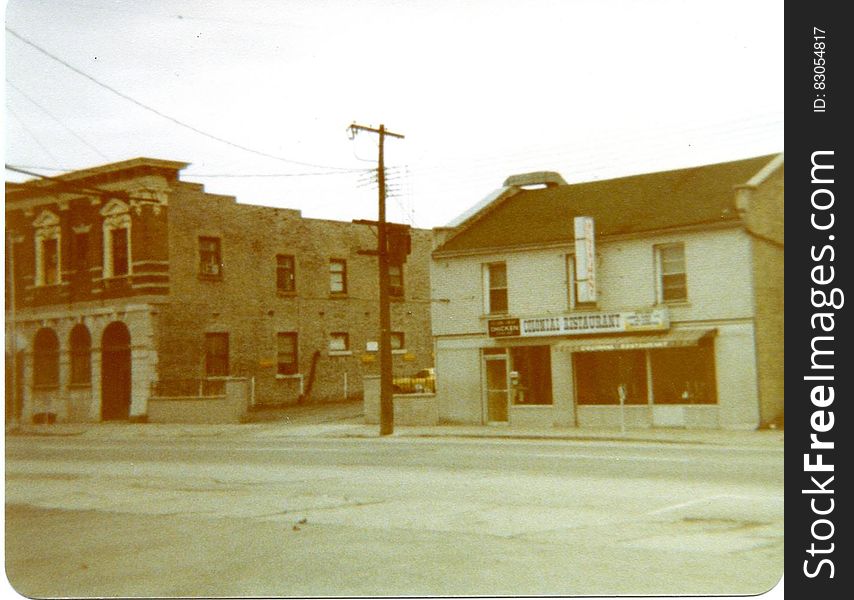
(409, 409)
(458, 381)
(230, 407)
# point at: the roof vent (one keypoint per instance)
(538, 178)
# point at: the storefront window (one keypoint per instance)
(601, 375)
(531, 375)
(684, 375)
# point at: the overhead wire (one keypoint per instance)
(63, 125)
(164, 115)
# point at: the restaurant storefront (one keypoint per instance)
(613, 369)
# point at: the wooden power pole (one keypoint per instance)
(386, 403)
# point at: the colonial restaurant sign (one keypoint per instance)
(581, 324)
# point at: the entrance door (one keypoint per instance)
(115, 373)
(496, 387)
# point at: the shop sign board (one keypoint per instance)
(582, 323)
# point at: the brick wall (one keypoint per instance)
(245, 303)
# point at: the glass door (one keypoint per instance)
(497, 387)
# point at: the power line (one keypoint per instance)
(31, 134)
(164, 115)
(70, 187)
(48, 113)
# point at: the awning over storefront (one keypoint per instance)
(673, 339)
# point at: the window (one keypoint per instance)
(81, 252)
(395, 280)
(47, 242)
(572, 292)
(287, 353)
(339, 342)
(531, 375)
(673, 283)
(603, 376)
(684, 375)
(119, 247)
(210, 258)
(496, 284)
(397, 340)
(50, 261)
(285, 273)
(216, 354)
(338, 276)
(46, 358)
(117, 239)
(81, 355)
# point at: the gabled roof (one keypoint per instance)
(514, 216)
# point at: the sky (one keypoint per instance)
(258, 95)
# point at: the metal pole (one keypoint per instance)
(11, 253)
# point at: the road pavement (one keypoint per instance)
(329, 508)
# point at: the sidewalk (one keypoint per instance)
(353, 428)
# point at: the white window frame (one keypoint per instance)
(487, 289)
(659, 269)
(47, 228)
(116, 216)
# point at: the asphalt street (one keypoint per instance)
(296, 516)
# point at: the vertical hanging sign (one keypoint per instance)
(585, 260)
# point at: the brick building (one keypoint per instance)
(126, 277)
(651, 300)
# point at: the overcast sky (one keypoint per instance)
(257, 95)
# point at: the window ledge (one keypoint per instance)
(676, 303)
(80, 385)
(399, 351)
(203, 277)
(291, 376)
(286, 294)
(340, 353)
(338, 295)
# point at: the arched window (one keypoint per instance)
(46, 358)
(81, 355)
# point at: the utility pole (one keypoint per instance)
(13, 238)
(386, 402)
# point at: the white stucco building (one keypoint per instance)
(662, 305)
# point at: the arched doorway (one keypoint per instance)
(115, 372)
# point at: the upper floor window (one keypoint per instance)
(287, 353)
(210, 257)
(285, 273)
(395, 280)
(216, 354)
(496, 287)
(572, 286)
(338, 276)
(117, 251)
(673, 280)
(47, 239)
(80, 251)
(397, 340)
(339, 342)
